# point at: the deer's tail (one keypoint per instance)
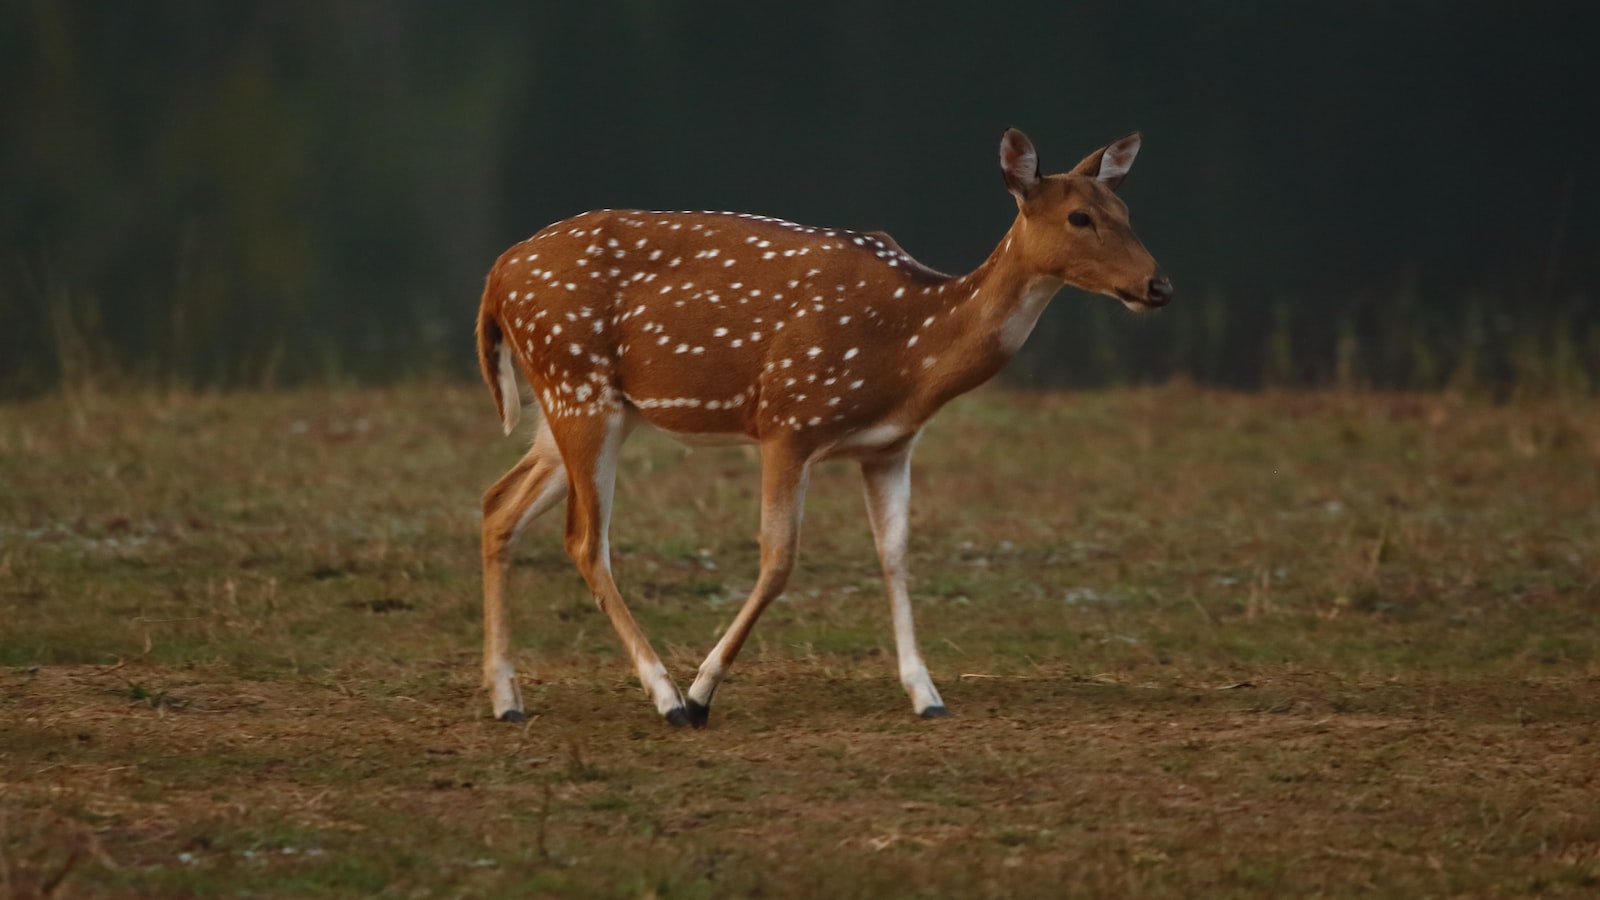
(494, 358)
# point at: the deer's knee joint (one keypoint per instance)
(776, 569)
(583, 550)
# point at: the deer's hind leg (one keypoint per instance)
(589, 444)
(537, 482)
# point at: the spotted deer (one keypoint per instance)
(811, 343)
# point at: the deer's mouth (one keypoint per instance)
(1141, 302)
(1157, 293)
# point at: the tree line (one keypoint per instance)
(270, 193)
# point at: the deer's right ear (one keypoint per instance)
(1019, 164)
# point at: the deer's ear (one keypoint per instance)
(1110, 163)
(1019, 164)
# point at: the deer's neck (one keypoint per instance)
(991, 311)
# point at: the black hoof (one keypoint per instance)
(935, 712)
(691, 715)
(513, 715)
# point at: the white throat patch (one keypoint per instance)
(1019, 324)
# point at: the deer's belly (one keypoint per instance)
(873, 439)
(706, 438)
(689, 422)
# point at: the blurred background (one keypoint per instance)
(261, 193)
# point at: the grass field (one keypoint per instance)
(1194, 644)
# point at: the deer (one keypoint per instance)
(808, 343)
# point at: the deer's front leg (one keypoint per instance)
(888, 488)
(784, 473)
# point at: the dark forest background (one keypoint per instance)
(217, 194)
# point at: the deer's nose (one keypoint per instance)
(1159, 291)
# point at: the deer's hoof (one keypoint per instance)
(513, 715)
(691, 714)
(935, 712)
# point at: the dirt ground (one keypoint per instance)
(1228, 646)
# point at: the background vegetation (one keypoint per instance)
(259, 193)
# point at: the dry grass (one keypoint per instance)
(1195, 644)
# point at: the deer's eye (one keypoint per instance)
(1079, 219)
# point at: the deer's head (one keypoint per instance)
(1074, 227)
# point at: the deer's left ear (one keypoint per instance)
(1110, 163)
